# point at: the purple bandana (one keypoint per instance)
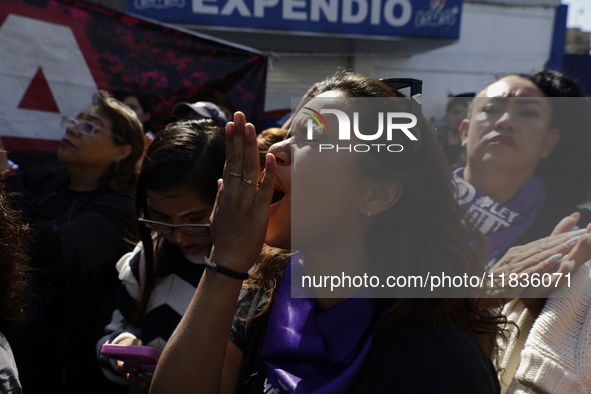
(501, 223)
(308, 352)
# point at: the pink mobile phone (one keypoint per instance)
(143, 357)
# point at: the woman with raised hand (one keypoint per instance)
(325, 344)
(81, 214)
(175, 193)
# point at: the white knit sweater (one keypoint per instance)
(553, 352)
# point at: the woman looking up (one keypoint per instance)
(81, 214)
(341, 204)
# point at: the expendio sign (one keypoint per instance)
(347, 11)
(385, 18)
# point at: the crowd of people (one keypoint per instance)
(188, 239)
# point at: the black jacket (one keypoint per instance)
(553, 211)
(79, 236)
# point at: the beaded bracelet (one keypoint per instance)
(224, 270)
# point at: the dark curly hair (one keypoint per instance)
(426, 229)
(15, 247)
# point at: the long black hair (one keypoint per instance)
(189, 155)
(426, 228)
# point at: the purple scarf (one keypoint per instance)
(501, 223)
(308, 352)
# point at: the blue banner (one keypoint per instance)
(389, 18)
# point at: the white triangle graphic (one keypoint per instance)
(26, 44)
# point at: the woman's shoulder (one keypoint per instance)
(42, 170)
(113, 197)
(418, 358)
(116, 205)
(43, 176)
(553, 211)
(129, 265)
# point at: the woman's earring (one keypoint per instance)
(117, 166)
(368, 213)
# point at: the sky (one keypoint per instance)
(579, 14)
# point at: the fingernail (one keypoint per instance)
(139, 375)
(571, 265)
(578, 233)
(572, 241)
(149, 374)
(133, 370)
(555, 257)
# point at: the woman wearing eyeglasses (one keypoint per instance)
(175, 194)
(81, 213)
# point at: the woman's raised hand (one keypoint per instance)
(241, 210)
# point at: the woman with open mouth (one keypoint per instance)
(346, 214)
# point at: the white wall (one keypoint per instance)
(293, 76)
(493, 40)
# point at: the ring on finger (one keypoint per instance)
(249, 181)
(236, 174)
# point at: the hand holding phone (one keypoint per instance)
(142, 357)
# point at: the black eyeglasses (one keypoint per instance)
(194, 230)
